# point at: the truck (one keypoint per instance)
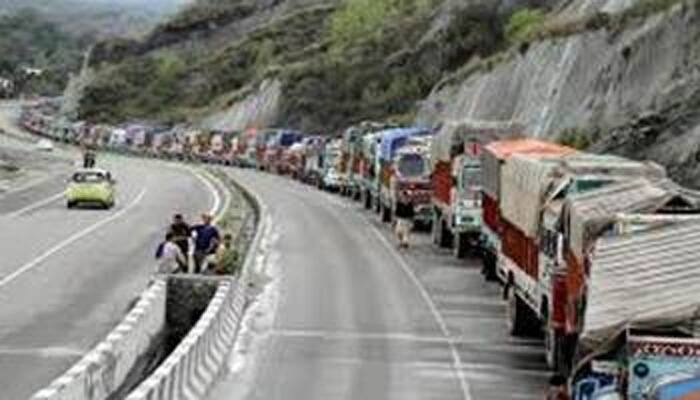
(331, 179)
(312, 170)
(403, 176)
(493, 157)
(456, 181)
(635, 319)
(352, 155)
(367, 179)
(262, 138)
(276, 145)
(535, 187)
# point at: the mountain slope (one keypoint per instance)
(335, 61)
(612, 75)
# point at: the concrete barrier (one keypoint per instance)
(103, 370)
(191, 369)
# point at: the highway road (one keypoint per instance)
(67, 277)
(357, 319)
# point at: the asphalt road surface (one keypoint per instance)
(68, 276)
(357, 319)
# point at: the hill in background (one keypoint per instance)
(52, 35)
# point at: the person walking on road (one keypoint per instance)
(181, 233)
(404, 224)
(206, 241)
(169, 256)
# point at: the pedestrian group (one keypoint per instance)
(198, 249)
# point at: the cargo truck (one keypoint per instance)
(276, 145)
(410, 182)
(353, 156)
(636, 316)
(535, 187)
(368, 181)
(387, 165)
(493, 157)
(456, 181)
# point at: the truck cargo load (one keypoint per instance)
(644, 279)
(496, 153)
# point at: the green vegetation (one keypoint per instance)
(532, 25)
(29, 40)
(358, 21)
(337, 63)
(524, 23)
(576, 138)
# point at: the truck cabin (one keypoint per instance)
(467, 177)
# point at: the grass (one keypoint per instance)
(523, 23)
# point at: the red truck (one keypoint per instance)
(493, 158)
(456, 180)
(534, 189)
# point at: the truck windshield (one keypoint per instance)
(471, 176)
(411, 165)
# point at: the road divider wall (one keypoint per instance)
(104, 369)
(194, 365)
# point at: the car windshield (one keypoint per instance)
(89, 177)
(411, 165)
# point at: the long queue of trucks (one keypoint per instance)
(597, 254)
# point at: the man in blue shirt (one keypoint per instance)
(206, 240)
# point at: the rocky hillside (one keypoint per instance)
(613, 75)
(313, 64)
(618, 76)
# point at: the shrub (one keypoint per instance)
(576, 138)
(523, 24)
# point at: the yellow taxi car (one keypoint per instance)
(91, 186)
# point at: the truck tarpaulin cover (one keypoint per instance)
(646, 280)
(495, 153)
(525, 179)
(392, 139)
(453, 134)
(589, 213)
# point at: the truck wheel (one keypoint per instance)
(435, 230)
(488, 262)
(386, 213)
(460, 245)
(553, 345)
(445, 235)
(517, 318)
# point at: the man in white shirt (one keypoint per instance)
(169, 256)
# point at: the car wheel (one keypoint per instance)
(70, 204)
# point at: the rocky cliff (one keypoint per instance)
(619, 76)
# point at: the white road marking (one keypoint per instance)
(37, 261)
(36, 205)
(458, 365)
(215, 193)
(45, 352)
